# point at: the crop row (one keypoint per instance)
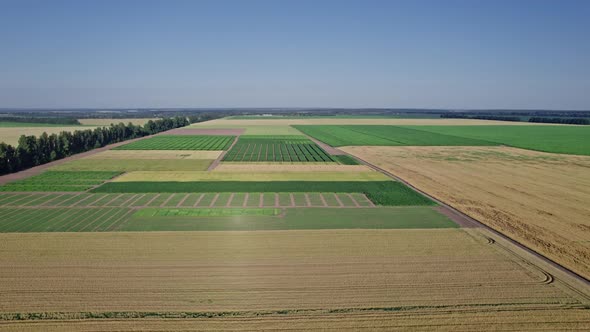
(297, 152)
(180, 142)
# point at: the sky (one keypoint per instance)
(247, 53)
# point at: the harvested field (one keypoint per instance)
(205, 131)
(131, 165)
(247, 129)
(335, 278)
(369, 175)
(10, 135)
(108, 122)
(284, 167)
(156, 154)
(180, 142)
(538, 199)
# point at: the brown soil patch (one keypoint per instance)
(538, 199)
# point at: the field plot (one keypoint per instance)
(366, 175)
(67, 219)
(108, 122)
(556, 139)
(60, 181)
(379, 192)
(180, 142)
(265, 218)
(539, 199)
(321, 279)
(271, 167)
(131, 165)
(385, 135)
(156, 155)
(10, 135)
(277, 148)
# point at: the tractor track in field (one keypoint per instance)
(467, 221)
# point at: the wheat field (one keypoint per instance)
(539, 199)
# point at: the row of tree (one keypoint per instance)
(576, 121)
(33, 151)
(52, 120)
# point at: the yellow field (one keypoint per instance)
(108, 122)
(187, 176)
(539, 199)
(155, 154)
(285, 167)
(343, 277)
(10, 135)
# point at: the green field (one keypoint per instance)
(555, 139)
(309, 218)
(66, 219)
(311, 117)
(379, 192)
(227, 212)
(60, 181)
(277, 148)
(180, 142)
(345, 159)
(130, 165)
(347, 135)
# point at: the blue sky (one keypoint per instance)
(439, 54)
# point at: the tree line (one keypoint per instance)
(33, 151)
(537, 119)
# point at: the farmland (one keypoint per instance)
(184, 229)
(60, 181)
(276, 148)
(556, 139)
(180, 142)
(306, 279)
(537, 198)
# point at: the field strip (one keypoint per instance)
(112, 200)
(99, 224)
(182, 200)
(51, 200)
(167, 200)
(246, 197)
(198, 200)
(115, 225)
(153, 199)
(323, 199)
(214, 200)
(90, 215)
(229, 200)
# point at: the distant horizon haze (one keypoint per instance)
(423, 54)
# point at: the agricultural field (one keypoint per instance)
(276, 148)
(308, 279)
(539, 199)
(60, 181)
(108, 122)
(11, 134)
(180, 142)
(364, 175)
(278, 231)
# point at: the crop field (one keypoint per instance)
(379, 192)
(108, 122)
(271, 167)
(131, 165)
(277, 148)
(180, 142)
(289, 123)
(60, 181)
(304, 279)
(538, 198)
(11, 134)
(385, 135)
(173, 176)
(156, 155)
(556, 139)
